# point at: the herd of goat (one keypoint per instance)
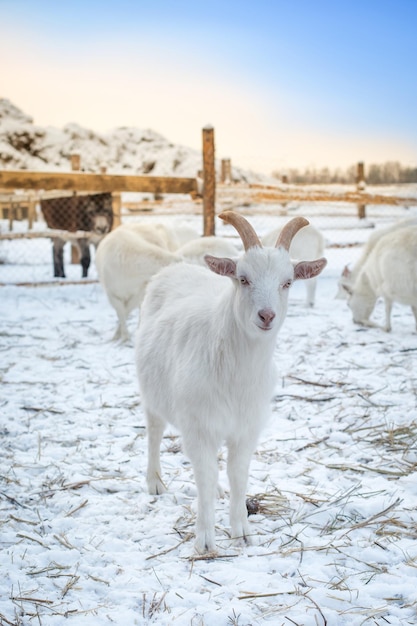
(130, 255)
(209, 317)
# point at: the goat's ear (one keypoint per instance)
(309, 269)
(224, 267)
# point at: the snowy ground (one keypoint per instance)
(83, 543)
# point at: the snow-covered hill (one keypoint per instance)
(124, 150)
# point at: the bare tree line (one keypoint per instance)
(375, 174)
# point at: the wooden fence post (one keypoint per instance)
(209, 172)
(226, 171)
(75, 162)
(360, 186)
(117, 209)
(360, 176)
(31, 211)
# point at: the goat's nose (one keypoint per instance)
(266, 315)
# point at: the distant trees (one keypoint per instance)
(375, 174)
(391, 172)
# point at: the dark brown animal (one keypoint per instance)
(92, 213)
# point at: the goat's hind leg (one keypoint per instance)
(119, 306)
(414, 309)
(388, 309)
(155, 430)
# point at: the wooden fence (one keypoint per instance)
(47, 184)
(13, 205)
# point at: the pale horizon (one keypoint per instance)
(284, 86)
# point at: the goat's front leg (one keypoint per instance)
(58, 257)
(203, 456)
(238, 461)
(85, 257)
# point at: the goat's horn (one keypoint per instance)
(287, 233)
(245, 230)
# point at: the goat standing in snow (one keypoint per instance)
(125, 260)
(204, 355)
(349, 276)
(389, 271)
(130, 255)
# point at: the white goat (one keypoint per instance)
(163, 235)
(307, 244)
(129, 256)
(194, 251)
(390, 271)
(204, 355)
(348, 276)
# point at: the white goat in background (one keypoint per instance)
(389, 271)
(204, 355)
(308, 244)
(130, 255)
(170, 237)
(348, 277)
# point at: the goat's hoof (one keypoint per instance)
(205, 545)
(206, 552)
(242, 541)
(241, 534)
(156, 487)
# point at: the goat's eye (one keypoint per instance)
(287, 284)
(243, 280)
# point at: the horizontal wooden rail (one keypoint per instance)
(80, 181)
(66, 235)
(262, 193)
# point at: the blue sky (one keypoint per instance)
(284, 83)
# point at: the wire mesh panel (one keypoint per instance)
(33, 259)
(39, 255)
(89, 213)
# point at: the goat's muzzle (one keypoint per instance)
(266, 317)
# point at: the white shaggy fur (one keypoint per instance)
(194, 251)
(163, 235)
(389, 271)
(308, 244)
(204, 355)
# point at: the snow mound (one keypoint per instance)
(123, 150)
